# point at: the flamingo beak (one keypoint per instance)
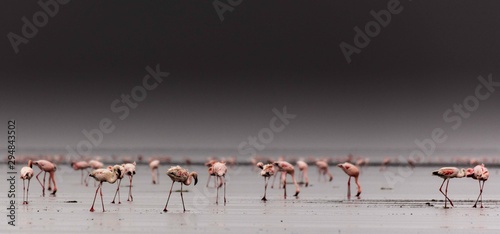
(195, 180)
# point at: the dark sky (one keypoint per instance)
(226, 77)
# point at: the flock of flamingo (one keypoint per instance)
(218, 170)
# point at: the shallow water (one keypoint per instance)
(413, 205)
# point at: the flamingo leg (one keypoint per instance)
(224, 179)
(42, 183)
(153, 175)
(451, 203)
(283, 178)
(130, 198)
(217, 197)
(359, 187)
(49, 188)
(170, 193)
(24, 188)
(86, 178)
(27, 191)
(480, 194)
(306, 177)
(117, 192)
(349, 188)
(266, 179)
(297, 190)
(208, 181)
(95, 196)
(182, 198)
(102, 200)
(52, 176)
(440, 190)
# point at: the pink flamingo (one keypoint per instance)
(154, 164)
(181, 175)
(219, 169)
(384, 164)
(209, 164)
(267, 172)
(481, 174)
(81, 165)
(110, 175)
(46, 166)
(287, 168)
(120, 177)
(26, 174)
(130, 171)
(303, 169)
(351, 171)
(95, 164)
(447, 173)
(323, 169)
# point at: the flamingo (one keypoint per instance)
(303, 169)
(46, 166)
(219, 170)
(26, 174)
(81, 165)
(447, 173)
(384, 164)
(120, 177)
(110, 175)
(323, 169)
(479, 173)
(267, 172)
(287, 168)
(95, 164)
(181, 175)
(130, 171)
(154, 164)
(209, 164)
(351, 171)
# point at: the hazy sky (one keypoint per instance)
(226, 77)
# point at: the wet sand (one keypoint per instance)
(412, 206)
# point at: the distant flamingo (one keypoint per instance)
(287, 168)
(26, 174)
(154, 164)
(303, 169)
(130, 171)
(267, 172)
(323, 170)
(81, 165)
(181, 175)
(219, 169)
(479, 173)
(46, 166)
(447, 173)
(110, 175)
(384, 164)
(120, 177)
(351, 171)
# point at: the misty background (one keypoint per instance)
(226, 77)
